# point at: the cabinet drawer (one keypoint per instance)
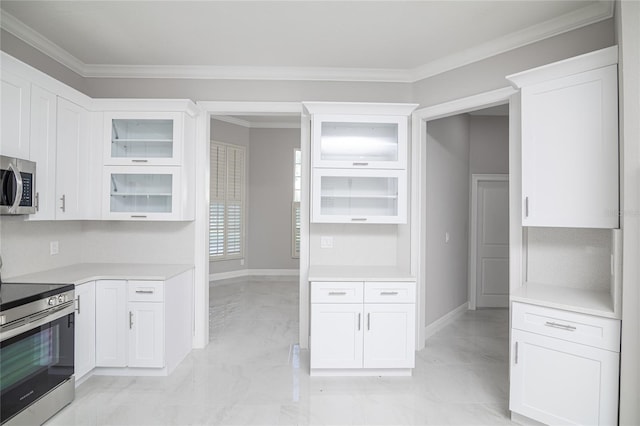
(389, 292)
(336, 292)
(145, 291)
(575, 327)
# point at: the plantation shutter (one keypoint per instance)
(295, 232)
(226, 209)
(235, 183)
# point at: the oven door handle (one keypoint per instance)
(18, 197)
(10, 330)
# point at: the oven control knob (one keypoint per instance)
(61, 299)
(51, 301)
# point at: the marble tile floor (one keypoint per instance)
(253, 373)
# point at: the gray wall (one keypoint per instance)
(490, 73)
(17, 48)
(447, 197)
(489, 138)
(270, 195)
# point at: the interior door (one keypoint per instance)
(492, 241)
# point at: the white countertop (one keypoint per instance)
(82, 272)
(359, 273)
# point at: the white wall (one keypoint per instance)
(628, 16)
(270, 197)
(25, 245)
(447, 197)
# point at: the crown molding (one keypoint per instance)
(570, 21)
(33, 38)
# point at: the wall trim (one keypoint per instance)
(561, 24)
(254, 273)
(419, 161)
(445, 320)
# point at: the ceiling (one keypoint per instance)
(392, 40)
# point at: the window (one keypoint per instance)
(226, 208)
(295, 206)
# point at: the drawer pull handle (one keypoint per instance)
(566, 327)
(358, 219)
(145, 291)
(360, 164)
(337, 293)
(139, 161)
(388, 293)
(138, 216)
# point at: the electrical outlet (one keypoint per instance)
(53, 248)
(447, 237)
(326, 242)
(241, 262)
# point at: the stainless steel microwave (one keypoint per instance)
(17, 186)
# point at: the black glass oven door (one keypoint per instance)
(34, 362)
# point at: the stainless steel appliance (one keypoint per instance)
(36, 351)
(17, 186)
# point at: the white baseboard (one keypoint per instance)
(445, 320)
(231, 274)
(252, 273)
(273, 272)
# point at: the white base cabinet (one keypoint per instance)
(568, 375)
(143, 324)
(85, 329)
(359, 327)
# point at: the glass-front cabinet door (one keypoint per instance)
(141, 193)
(143, 138)
(360, 141)
(359, 196)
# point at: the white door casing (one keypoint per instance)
(489, 241)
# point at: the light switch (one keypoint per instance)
(326, 242)
(53, 248)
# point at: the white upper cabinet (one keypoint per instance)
(14, 115)
(43, 151)
(142, 193)
(359, 196)
(360, 141)
(73, 161)
(359, 159)
(570, 147)
(153, 138)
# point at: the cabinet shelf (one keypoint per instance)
(142, 140)
(593, 302)
(134, 194)
(361, 196)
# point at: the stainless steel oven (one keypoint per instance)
(36, 351)
(17, 186)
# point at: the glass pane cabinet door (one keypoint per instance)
(351, 198)
(142, 139)
(141, 195)
(360, 142)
